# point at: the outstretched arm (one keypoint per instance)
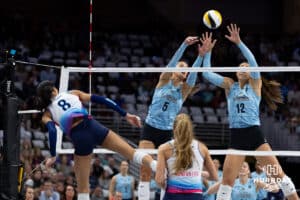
(214, 78)
(234, 36)
(191, 79)
(52, 133)
(176, 57)
(132, 119)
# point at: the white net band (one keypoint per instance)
(182, 69)
(212, 152)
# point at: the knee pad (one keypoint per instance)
(162, 193)
(144, 191)
(224, 192)
(153, 165)
(138, 157)
(287, 186)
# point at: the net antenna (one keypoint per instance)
(90, 51)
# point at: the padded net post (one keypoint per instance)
(11, 160)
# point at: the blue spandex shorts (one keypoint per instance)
(86, 135)
(192, 196)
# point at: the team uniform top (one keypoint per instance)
(123, 185)
(190, 180)
(166, 104)
(64, 108)
(243, 106)
(262, 194)
(245, 191)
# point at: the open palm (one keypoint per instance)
(207, 43)
(234, 33)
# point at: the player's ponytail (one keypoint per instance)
(271, 93)
(184, 135)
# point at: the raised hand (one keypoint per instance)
(207, 43)
(49, 162)
(234, 33)
(191, 40)
(134, 120)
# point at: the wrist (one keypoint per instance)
(184, 44)
(52, 157)
(238, 43)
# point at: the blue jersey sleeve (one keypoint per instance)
(178, 54)
(109, 103)
(191, 79)
(52, 137)
(212, 77)
(250, 58)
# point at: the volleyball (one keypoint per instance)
(212, 19)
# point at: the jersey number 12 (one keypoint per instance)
(240, 108)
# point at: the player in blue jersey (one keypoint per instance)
(171, 91)
(245, 187)
(122, 182)
(66, 110)
(243, 99)
(260, 174)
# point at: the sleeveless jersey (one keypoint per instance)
(244, 191)
(166, 104)
(64, 108)
(243, 106)
(188, 181)
(123, 185)
(262, 194)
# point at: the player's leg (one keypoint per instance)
(231, 167)
(82, 166)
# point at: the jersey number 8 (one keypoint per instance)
(63, 104)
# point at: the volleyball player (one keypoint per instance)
(122, 182)
(171, 91)
(66, 110)
(245, 187)
(183, 159)
(243, 99)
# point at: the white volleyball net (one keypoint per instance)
(133, 88)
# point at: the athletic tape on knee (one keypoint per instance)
(138, 157)
(83, 196)
(224, 192)
(287, 186)
(144, 191)
(153, 165)
(162, 193)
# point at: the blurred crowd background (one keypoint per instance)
(142, 34)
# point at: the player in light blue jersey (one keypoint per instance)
(122, 182)
(245, 187)
(170, 93)
(243, 99)
(259, 174)
(66, 110)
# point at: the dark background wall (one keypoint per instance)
(272, 16)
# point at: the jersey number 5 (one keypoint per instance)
(63, 104)
(240, 108)
(165, 106)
